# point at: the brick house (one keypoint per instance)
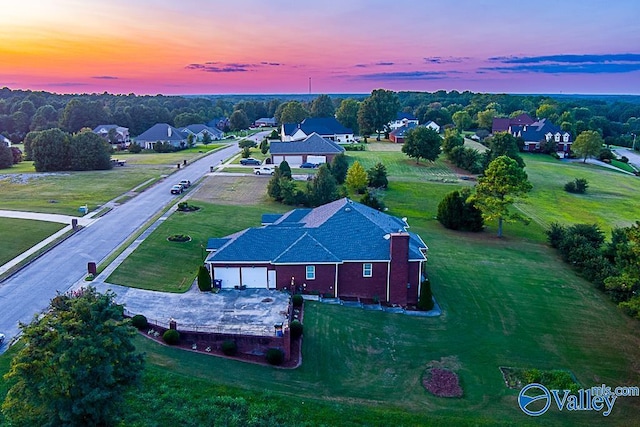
(342, 249)
(314, 149)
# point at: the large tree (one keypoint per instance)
(6, 156)
(322, 106)
(50, 150)
(88, 151)
(239, 120)
(452, 139)
(587, 144)
(339, 168)
(503, 144)
(77, 361)
(504, 181)
(292, 112)
(422, 142)
(323, 189)
(347, 114)
(377, 111)
(462, 120)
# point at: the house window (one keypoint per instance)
(557, 137)
(565, 137)
(311, 272)
(367, 270)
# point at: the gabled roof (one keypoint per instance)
(216, 243)
(502, 124)
(536, 131)
(402, 130)
(197, 128)
(270, 218)
(336, 232)
(313, 144)
(106, 128)
(407, 116)
(161, 132)
(328, 126)
(270, 120)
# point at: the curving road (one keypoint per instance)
(29, 291)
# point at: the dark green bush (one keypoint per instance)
(139, 321)
(171, 337)
(606, 154)
(204, 279)
(457, 212)
(578, 186)
(624, 159)
(135, 148)
(229, 348)
(570, 187)
(297, 300)
(275, 356)
(425, 302)
(555, 234)
(296, 329)
(247, 143)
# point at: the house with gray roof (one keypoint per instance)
(542, 131)
(161, 132)
(326, 127)
(313, 149)
(399, 134)
(402, 119)
(114, 134)
(199, 130)
(265, 122)
(343, 249)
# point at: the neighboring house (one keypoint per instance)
(313, 149)
(432, 125)
(403, 119)
(161, 132)
(398, 134)
(5, 140)
(118, 136)
(199, 130)
(326, 127)
(265, 122)
(342, 249)
(502, 124)
(221, 123)
(536, 133)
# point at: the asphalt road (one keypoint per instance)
(29, 291)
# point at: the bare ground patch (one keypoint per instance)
(232, 190)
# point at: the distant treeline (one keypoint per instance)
(615, 117)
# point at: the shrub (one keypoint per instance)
(171, 337)
(579, 186)
(623, 159)
(247, 143)
(229, 348)
(179, 238)
(139, 321)
(275, 356)
(369, 199)
(570, 187)
(246, 152)
(555, 234)
(135, 148)
(296, 329)
(606, 154)
(204, 279)
(297, 300)
(457, 212)
(425, 302)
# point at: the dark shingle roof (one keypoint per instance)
(320, 125)
(313, 144)
(339, 231)
(161, 132)
(408, 116)
(197, 128)
(402, 130)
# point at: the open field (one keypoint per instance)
(18, 235)
(64, 192)
(230, 190)
(402, 168)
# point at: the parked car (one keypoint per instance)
(176, 189)
(307, 165)
(185, 183)
(264, 170)
(250, 161)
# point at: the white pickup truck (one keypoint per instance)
(264, 170)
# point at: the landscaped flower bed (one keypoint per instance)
(442, 383)
(516, 378)
(179, 238)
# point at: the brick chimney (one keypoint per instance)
(399, 268)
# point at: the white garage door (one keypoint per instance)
(254, 277)
(294, 160)
(230, 276)
(277, 160)
(317, 159)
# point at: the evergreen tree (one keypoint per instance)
(356, 178)
(204, 279)
(285, 170)
(339, 168)
(323, 189)
(377, 176)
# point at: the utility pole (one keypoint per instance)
(309, 85)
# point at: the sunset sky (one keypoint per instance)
(344, 46)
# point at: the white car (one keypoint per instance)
(264, 170)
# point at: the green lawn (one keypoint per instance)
(166, 159)
(18, 235)
(402, 168)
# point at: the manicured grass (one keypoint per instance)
(179, 268)
(167, 159)
(402, 168)
(18, 235)
(610, 201)
(622, 165)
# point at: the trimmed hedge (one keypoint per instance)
(296, 329)
(275, 356)
(229, 348)
(297, 300)
(171, 337)
(139, 321)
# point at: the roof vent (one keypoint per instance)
(347, 209)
